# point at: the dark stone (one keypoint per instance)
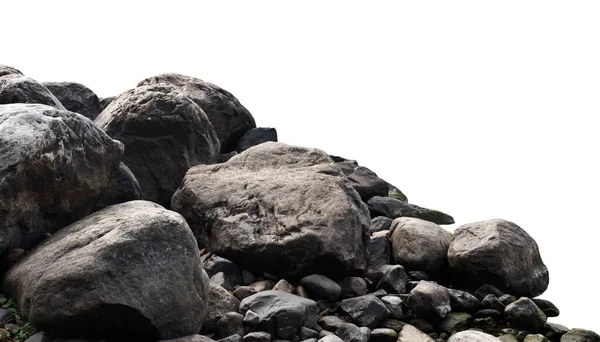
(363, 180)
(495, 314)
(554, 331)
(430, 301)
(380, 223)
(280, 313)
(501, 253)
(103, 103)
(580, 335)
(394, 305)
(422, 325)
(106, 276)
(353, 287)
(393, 324)
(491, 302)
(487, 289)
(164, 134)
(247, 277)
(455, 322)
(124, 188)
(54, 165)
(507, 299)
(278, 202)
(243, 291)
(262, 285)
(547, 307)
(525, 314)
(15, 88)
(351, 333)
(394, 192)
(76, 98)
(381, 250)
(366, 311)
(393, 208)
(331, 323)
(418, 275)
(231, 323)
(231, 273)
(230, 119)
(321, 287)
(393, 279)
(306, 333)
(6, 70)
(257, 336)
(411, 334)
(383, 335)
(220, 302)
(254, 137)
(420, 245)
(485, 322)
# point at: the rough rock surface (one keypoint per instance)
(54, 165)
(501, 253)
(76, 98)
(256, 136)
(362, 179)
(525, 314)
(6, 70)
(164, 134)
(15, 88)
(394, 208)
(108, 274)
(420, 245)
(219, 302)
(580, 335)
(278, 202)
(227, 115)
(430, 301)
(124, 188)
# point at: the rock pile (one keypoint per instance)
(171, 216)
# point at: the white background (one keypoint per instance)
(480, 109)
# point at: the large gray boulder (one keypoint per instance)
(500, 253)
(220, 302)
(54, 165)
(420, 245)
(278, 202)
(16, 88)
(227, 115)
(124, 188)
(164, 133)
(430, 301)
(76, 98)
(130, 270)
(393, 208)
(7, 70)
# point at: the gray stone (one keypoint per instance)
(381, 251)
(472, 336)
(257, 336)
(506, 299)
(547, 307)
(231, 323)
(393, 279)
(243, 291)
(411, 334)
(580, 335)
(420, 245)
(455, 322)
(429, 301)
(463, 301)
(366, 311)
(76, 98)
(501, 253)
(124, 188)
(393, 324)
(305, 333)
(363, 180)
(104, 102)
(351, 333)
(278, 202)
(331, 323)
(254, 137)
(491, 302)
(380, 223)
(15, 88)
(220, 302)
(507, 338)
(231, 273)
(232, 338)
(164, 134)
(394, 306)
(262, 285)
(54, 165)
(525, 314)
(383, 335)
(106, 276)
(321, 287)
(353, 287)
(393, 208)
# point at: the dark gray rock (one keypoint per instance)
(280, 313)
(363, 180)
(393, 279)
(394, 192)
(220, 302)
(353, 287)
(491, 302)
(106, 276)
(455, 322)
(247, 277)
(580, 335)
(232, 274)
(254, 137)
(15, 88)
(284, 285)
(420, 245)
(485, 322)
(411, 334)
(383, 335)
(501, 253)
(331, 323)
(394, 305)
(321, 287)
(231, 338)
(381, 250)
(554, 331)
(164, 134)
(103, 103)
(525, 314)
(76, 98)
(226, 114)
(430, 301)
(487, 289)
(278, 202)
(351, 333)
(547, 307)
(508, 298)
(422, 325)
(472, 336)
(366, 311)
(243, 291)
(380, 223)
(231, 323)
(6, 70)
(418, 275)
(305, 333)
(257, 336)
(124, 188)
(54, 165)
(393, 324)
(483, 313)
(393, 208)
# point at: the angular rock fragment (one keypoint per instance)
(430, 301)
(256, 136)
(76, 98)
(394, 208)
(15, 88)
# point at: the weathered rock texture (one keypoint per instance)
(16, 88)
(6, 70)
(76, 98)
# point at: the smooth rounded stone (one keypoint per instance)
(257, 336)
(104, 102)
(501, 253)
(278, 202)
(547, 307)
(487, 289)
(284, 285)
(281, 313)
(462, 301)
(495, 314)
(381, 251)
(422, 325)
(189, 338)
(394, 306)
(362, 179)
(380, 223)
(508, 338)
(330, 338)
(506, 299)
(262, 285)
(76, 98)
(393, 208)
(124, 188)
(164, 134)
(106, 276)
(353, 287)
(472, 336)
(429, 301)
(554, 331)
(219, 279)
(535, 338)
(15, 88)
(321, 287)
(231, 273)
(305, 333)
(242, 292)
(7, 70)
(230, 119)
(492, 302)
(455, 322)
(331, 323)
(411, 334)
(54, 166)
(393, 279)
(220, 302)
(525, 314)
(366, 311)
(247, 277)
(420, 245)
(351, 333)
(383, 335)
(580, 335)
(231, 323)
(254, 137)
